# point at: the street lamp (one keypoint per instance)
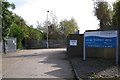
(47, 29)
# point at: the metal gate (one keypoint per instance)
(11, 45)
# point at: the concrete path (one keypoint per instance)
(40, 63)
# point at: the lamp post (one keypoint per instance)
(47, 29)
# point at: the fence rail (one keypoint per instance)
(35, 44)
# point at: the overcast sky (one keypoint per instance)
(36, 10)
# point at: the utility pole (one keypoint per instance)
(47, 29)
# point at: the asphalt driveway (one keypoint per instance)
(39, 63)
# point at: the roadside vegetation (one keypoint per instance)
(107, 15)
(14, 25)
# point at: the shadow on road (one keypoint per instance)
(53, 62)
(60, 62)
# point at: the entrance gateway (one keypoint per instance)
(101, 39)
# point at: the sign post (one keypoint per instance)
(117, 49)
(84, 54)
(101, 39)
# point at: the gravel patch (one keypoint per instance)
(94, 68)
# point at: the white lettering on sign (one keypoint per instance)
(73, 42)
(101, 39)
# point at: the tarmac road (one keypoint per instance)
(39, 63)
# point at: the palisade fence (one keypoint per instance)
(35, 44)
(10, 45)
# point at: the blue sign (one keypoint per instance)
(93, 41)
(105, 39)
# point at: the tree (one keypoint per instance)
(6, 20)
(15, 26)
(103, 13)
(35, 34)
(0, 21)
(116, 14)
(49, 26)
(16, 31)
(22, 24)
(53, 32)
(23, 32)
(68, 27)
(19, 20)
(19, 29)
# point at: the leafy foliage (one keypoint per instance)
(21, 31)
(6, 18)
(35, 34)
(0, 21)
(53, 32)
(6, 21)
(15, 26)
(68, 27)
(16, 31)
(116, 13)
(59, 31)
(103, 13)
